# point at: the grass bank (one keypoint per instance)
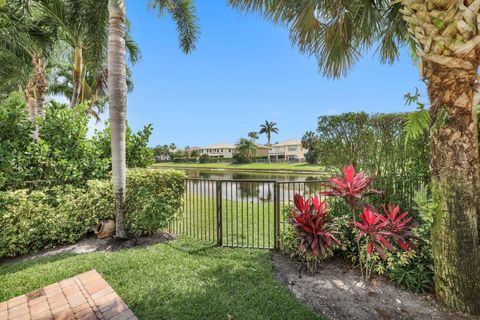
(183, 279)
(285, 167)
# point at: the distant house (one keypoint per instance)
(290, 150)
(262, 151)
(221, 150)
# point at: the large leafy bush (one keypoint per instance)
(138, 154)
(63, 152)
(34, 220)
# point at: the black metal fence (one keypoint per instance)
(248, 213)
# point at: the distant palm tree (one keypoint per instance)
(253, 136)
(245, 150)
(268, 128)
(183, 14)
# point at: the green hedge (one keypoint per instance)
(35, 220)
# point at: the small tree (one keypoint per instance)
(310, 142)
(245, 151)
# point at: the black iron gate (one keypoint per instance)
(238, 213)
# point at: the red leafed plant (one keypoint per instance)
(373, 227)
(379, 229)
(352, 187)
(400, 227)
(311, 221)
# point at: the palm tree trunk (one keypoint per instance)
(40, 85)
(117, 95)
(30, 101)
(77, 76)
(268, 144)
(455, 169)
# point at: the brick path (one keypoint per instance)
(86, 296)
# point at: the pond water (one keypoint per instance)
(218, 174)
(261, 189)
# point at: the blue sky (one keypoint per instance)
(244, 71)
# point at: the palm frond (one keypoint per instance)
(184, 15)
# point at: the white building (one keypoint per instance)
(221, 150)
(290, 150)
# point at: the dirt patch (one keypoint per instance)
(338, 292)
(92, 244)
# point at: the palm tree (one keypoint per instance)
(83, 27)
(268, 128)
(253, 136)
(445, 37)
(245, 150)
(27, 39)
(183, 13)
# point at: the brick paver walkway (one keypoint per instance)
(86, 296)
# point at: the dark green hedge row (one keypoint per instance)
(35, 220)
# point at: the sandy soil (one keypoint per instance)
(337, 292)
(92, 244)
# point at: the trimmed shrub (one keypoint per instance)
(153, 199)
(31, 221)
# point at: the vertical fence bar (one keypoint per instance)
(219, 214)
(276, 215)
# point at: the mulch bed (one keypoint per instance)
(338, 292)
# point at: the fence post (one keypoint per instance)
(219, 214)
(276, 215)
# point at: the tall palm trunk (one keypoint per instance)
(455, 175)
(77, 76)
(268, 144)
(117, 89)
(447, 34)
(29, 93)
(40, 85)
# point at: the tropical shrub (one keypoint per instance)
(37, 220)
(375, 143)
(34, 220)
(138, 154)
(153, 199)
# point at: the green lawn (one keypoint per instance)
(182, 279)
(245, 223)
(248, 166)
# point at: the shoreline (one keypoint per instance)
(248, 170)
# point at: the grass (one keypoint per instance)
(248, 166)
(245, 223)
(182, 279)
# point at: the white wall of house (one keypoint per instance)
(290, 150)
(223, 150)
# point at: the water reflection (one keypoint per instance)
(252, 187)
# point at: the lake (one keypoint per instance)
(234, 174)
(234, 186)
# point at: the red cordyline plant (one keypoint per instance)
(400, 227)
(311, 221)
(378, 229)
(352, 188)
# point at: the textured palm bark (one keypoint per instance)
(40, 86)
(77, 76)
(447, 38)
(455, 178)
(117, 96)
(29, 94)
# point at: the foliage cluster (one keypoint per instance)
(245, 151)
(382, 241)
(63, 152)
(375, 143)
(35, 220)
